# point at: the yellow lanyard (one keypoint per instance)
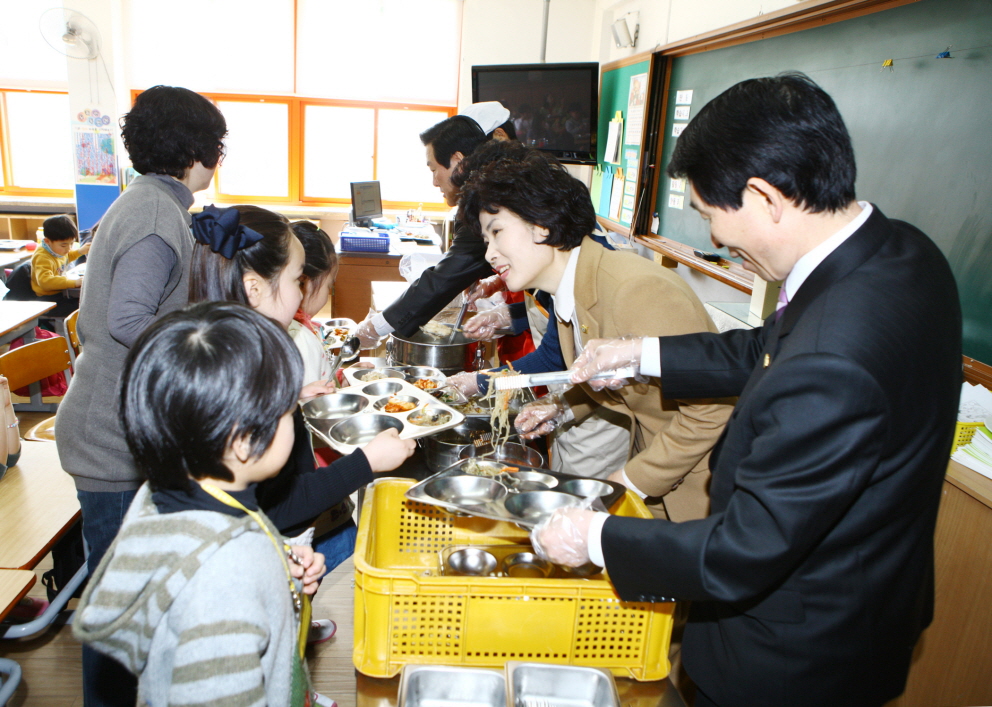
(301, 602)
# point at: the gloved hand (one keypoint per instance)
(467, 383)
(540, 417)
(486, 287)
(601, 355)
(483, 326)
(367, 334)
(563, 537)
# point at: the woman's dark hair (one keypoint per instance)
(170, 128)
(198, 379)
(508, 127)
(459, 133)
(784, 129)
(60, 228)
(530, 183)
(212, 277)
(321, 261)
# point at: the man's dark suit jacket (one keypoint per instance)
(812, 578)
(463, 263)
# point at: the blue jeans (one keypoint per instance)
(337, 545)
(106, 683)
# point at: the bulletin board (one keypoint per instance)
(619, 180)
(920, 128)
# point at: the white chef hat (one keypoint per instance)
(489, 115)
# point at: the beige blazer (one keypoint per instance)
(622, 294)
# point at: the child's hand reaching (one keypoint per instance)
(387, 451)
(311, 569)
(85, 248)
(312, 390)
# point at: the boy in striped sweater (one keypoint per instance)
(198, 595)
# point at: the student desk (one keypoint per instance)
(38, 506)
(11, 259)
(20, 319)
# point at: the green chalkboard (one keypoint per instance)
(922, 132)
(613, 95)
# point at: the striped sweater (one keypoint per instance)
(196, 604)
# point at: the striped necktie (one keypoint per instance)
(783, 300)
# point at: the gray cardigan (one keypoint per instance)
(90, 440)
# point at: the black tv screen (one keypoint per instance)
(554, 107)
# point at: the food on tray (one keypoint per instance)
(472, 407)
(429, 417)
(447, 395)
(374, 376)
(395, 405)
(425, 383)
(499, 418)
(483, 468)
(436, 329)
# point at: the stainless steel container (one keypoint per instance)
(531, 684)
(436, 685)
(443, 449)
(422, 349)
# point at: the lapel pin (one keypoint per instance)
(584, 329)
(768, 360)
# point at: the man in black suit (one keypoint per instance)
(812, 578)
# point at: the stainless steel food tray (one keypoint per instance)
(497, 510)
(356, 376)
(376, 392)
(448, 686)
(548, 685)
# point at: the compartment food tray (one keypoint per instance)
(405, 613)
(497, 510)
(323, 428)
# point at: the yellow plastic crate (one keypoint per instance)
(406, 612)
(963, 432)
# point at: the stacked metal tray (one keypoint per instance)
(352, 417)
(428, 378)
(520, 684)
(524, 496)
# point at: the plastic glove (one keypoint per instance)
(601, 355)
(367, 334)
(541, 416)
(483, 326)
(467, 383)
(563, 538)
(486, 287)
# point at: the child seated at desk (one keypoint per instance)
(50, 261)
(199, 595)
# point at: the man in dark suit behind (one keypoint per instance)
(812, 578)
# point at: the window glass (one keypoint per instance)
(403, 168)
(379, 50)
(26, 59)
(257, 157)
(241, 46)
(39, 139)
(339, 148)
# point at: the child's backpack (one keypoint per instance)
(19, 283)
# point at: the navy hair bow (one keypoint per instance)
(221, 229)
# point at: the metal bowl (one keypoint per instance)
(334, 406)
(587, 570)
(383, 402)
(382, 388)
(465, 490)
(472, 562)
(526, 565)
(586, 487)
(534, 506)
(386, 372)
(430, 416)
(509, 453)
(521, 481)
(361, 429)
(339, 323)
(441, 450)
(413, 373)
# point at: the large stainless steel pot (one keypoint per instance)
(422, 349)
(443, 449)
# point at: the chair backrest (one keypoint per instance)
(35, 361)
(70, 329)
(19, 283)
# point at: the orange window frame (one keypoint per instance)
(297, 147)
(8, 188)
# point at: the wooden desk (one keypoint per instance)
(11, 259)
(20, 319)
(353, 288)
(37, 506)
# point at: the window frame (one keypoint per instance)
(8, 188)
(297, 147)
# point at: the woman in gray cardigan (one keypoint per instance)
(137, 271)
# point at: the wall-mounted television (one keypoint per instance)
(554, 107)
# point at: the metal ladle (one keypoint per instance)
(349, 347)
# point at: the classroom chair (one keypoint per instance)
(70, 333)
(32, 363)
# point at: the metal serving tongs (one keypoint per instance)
(458, 322)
